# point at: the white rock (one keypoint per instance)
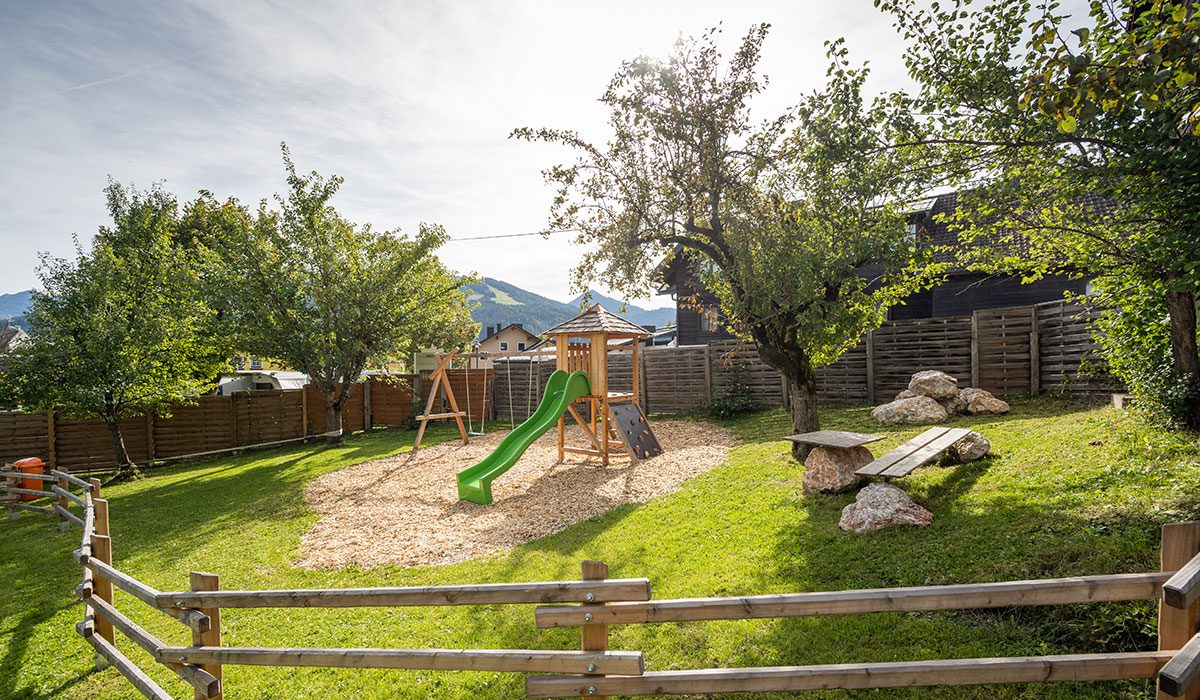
(934, 384)
(986, 404)
(880, 506)
(918, 410)
(971, 447)
(906, 394)
(831, 469)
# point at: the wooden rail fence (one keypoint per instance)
(594, 603)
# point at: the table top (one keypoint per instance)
(834, 438)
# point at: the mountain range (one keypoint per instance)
(499, 303)
(13, 307)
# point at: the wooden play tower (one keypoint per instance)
(614, 422)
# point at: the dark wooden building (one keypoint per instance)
(699, 320)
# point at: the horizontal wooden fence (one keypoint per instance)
(211, 424)
(1012, 351)
(1015, 351)
(593, 604)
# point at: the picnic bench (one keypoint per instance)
(917, 452)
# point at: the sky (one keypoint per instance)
(411, 102)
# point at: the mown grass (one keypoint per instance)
(1069, 491)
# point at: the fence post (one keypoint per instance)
(871, 368)
(11, 479)
(974, 349)
(51, 447)
(201, 581)
(368, 419)
(94, 487)
(149, 439)
(708, 380)
(102, 587)
(1180, 542)
(63, 523)
(594, 637)
(1035, 354)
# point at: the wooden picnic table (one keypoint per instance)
(834, 438)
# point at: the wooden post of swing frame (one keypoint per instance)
(439, 379)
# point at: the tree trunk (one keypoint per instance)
(125, 466)
(1181, 307)
(333, 421)
(792, 361)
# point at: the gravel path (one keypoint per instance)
(406, 511)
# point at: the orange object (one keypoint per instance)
(30, 465)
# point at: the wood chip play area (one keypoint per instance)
(407, 512)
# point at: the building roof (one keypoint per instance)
(597, 319)
(532, 336)
(10, 338)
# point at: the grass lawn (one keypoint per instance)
(1070, 491)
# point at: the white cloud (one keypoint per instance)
(412, 102)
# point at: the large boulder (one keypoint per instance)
(831, 469)
(918, 410)
(905, 394)
(986, 404)
(969, 448)
(934, 384)
(955, 405)
(971, 392)
(880, 506)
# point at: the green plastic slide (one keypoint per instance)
(475, 484)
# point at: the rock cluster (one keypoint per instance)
(933, 397)
(880, 506)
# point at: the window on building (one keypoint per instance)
(503, 346)
(521, 347)
(255, 363)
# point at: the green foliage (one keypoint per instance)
(736, 398)
(779, 217)
(302, 285)
(1080, 153)
(122, 329)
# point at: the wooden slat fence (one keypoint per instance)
(902, 348)
(993, 349)
(1001, 357)
(1068, 355)
(733, 361)
(677, 379)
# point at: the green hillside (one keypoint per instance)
(503, 303)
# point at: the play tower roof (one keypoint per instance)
(598, 319)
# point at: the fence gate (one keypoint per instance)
(1001, 350)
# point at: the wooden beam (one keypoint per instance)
(138, 678)
(1061, 591)
(1179, 676)
(481, 594)
(1029, 669)
(1176, 628)
(203, 681)
(1183, 589)
(505, 660)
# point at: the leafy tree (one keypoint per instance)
(1080, 139)
(304, 286)
(120, 330)
(784, 218)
